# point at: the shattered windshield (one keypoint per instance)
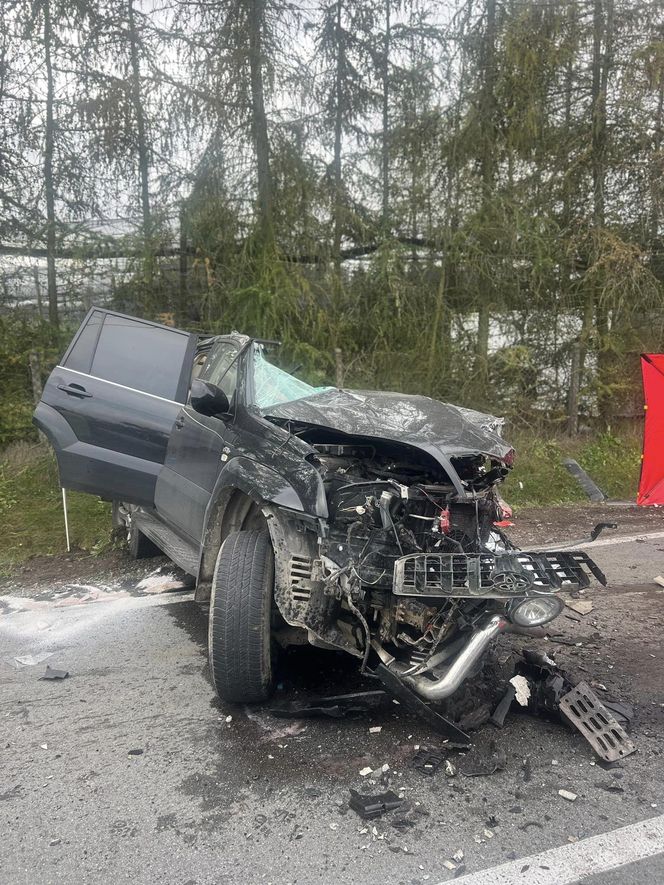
(273, 386)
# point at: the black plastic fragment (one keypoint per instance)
(501, 711)
(410, 700)
(335, 706)
(590, 487)
(53, 673)
(428, 761)
(623, 713)
(369, 807)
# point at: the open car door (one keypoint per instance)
(108, 408)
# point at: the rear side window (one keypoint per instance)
(80, 356)
(139, 356)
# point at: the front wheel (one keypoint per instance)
(239, 634)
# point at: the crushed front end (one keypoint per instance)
(410, 569)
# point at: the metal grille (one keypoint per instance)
(300, 577)
(483, 574)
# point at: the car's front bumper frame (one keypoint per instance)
(493, 576)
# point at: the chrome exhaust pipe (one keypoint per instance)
(470, 654)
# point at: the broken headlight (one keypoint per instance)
(535, 610)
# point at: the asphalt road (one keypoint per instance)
(130, 770)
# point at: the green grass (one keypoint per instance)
(31, 509)
(31, 503)
(539, 477)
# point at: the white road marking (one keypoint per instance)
(573, 863)
(607, 542)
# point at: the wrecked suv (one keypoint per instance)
(360, 521)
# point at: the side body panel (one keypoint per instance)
(108, 409)
(190, 471)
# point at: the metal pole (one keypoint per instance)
(64, 507)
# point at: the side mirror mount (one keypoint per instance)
(208, 399)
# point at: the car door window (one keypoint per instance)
(222, 366)
(79, 356)
(138, 355)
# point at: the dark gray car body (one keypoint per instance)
(116, 412)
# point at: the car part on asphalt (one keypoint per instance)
(623, 712)
(336, 706)
(369, 807)
(413, 702)
(583, 709)
(429, 760)
(593, 536)
(53, 673)
(502, 709)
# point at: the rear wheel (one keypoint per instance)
(239, 635)
(140, 546)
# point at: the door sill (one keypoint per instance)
(183, 553)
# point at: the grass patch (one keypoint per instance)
(31, 503)
(539, 477)
(31, 509)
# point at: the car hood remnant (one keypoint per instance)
(415, 420)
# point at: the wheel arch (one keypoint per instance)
(247, 496)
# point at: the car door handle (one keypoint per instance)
(179, 421)
(74, 390)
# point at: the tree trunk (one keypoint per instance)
(655, 169)
(38, 291)
(488, 104)
(488, 168)
(601, 69)
(482, 347)
(338, 367)
(598, 146)
(182, 278)
(574, 388)
(259, 123)
(385, 148)
(338, 130)
(49, 184)
(142, 145)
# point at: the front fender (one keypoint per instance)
(266, 488)
(302, 491)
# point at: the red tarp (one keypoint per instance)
(651, 486)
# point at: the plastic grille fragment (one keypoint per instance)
(587, 713)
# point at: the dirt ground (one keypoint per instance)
(533, 527)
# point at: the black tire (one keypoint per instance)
(239, 636)
(140, 546)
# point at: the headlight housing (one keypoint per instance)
(535, 610)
